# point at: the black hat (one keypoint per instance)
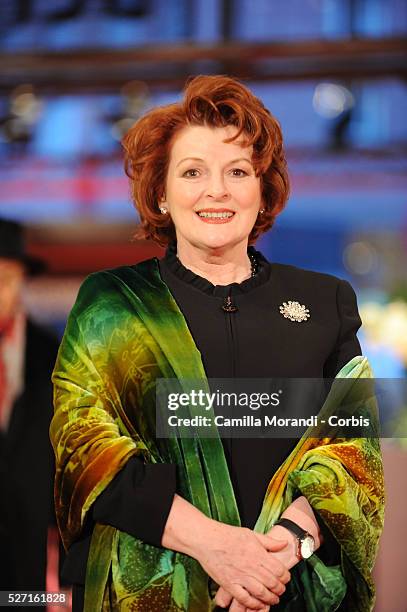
(12, 246)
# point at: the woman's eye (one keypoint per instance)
(192, 173)
(238, 172)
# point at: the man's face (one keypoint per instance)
(11, 284)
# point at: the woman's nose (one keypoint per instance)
(217, 188)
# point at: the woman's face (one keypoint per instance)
(11, 286)
(211, 192)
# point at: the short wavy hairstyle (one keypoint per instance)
(214, 101)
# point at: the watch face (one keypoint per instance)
(307, 547)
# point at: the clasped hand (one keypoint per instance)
(239, 560)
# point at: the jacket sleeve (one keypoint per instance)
(91, 435)
(347, 345)
(138, 500)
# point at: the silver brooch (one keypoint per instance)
(294, 311)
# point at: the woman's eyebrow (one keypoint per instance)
(189, 159)
(233, 161)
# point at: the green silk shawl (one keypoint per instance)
(124, 331)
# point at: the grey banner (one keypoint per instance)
(24, 599)
(281, 408)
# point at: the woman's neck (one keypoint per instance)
(218, 266)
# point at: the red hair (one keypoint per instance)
(215, 101)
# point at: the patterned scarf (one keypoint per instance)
(124, 332)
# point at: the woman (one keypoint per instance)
(160, 524)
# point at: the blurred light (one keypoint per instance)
(135, 89)
(121, 127)
(360, 258)
(136, 96)
(20, 103)
(26, 106)
(371, 314)
(331, 100)
(394, 328)
(386, 325)
(24, 111)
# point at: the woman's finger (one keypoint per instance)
(274, 565)
(259, 591)
(267, 577)
(245, 597)
(237, 607)
(223, 598)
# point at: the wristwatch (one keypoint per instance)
(306, 543)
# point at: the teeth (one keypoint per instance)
(216, 215)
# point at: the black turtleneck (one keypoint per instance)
(245, 343)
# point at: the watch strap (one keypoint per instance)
(293, 527)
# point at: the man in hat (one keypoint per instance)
(27, 356)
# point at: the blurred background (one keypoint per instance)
(75, 76)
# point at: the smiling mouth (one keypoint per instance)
(206, 214)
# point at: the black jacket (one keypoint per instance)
(27, 471)
(256, 341)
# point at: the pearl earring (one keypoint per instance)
(261, 211)
(163, 210)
